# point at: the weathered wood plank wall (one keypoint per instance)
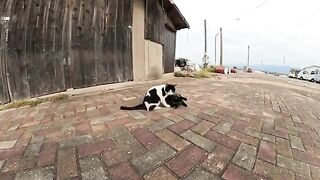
(4, 92)
(169, 50)
(160, 29)
(58, 44)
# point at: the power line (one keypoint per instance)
(257, 7)
(309, 17)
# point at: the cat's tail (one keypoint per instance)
(138, 107)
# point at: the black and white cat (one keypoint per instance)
(154, 97)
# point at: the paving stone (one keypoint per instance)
(217, 161)
(293, 165)
(160, 125)
(181, 126)
(92, 169)
(278, 133)
(244, 138)
(255, 124)
(137, 115)
(190, 117)
(104, 119)
(203, 127)
(186, 160)
(48, 154)
(315, 172)
(306, 139)
(11, 153)
(19, 163)
(235, 173)
(245, 156)
(296, 119)
(283, 147)
(160, 174)
(200, 173)
(123, 171)
(38, 174)
(67, 164)
(240, 126)
(1, 164)
(7, 144)
(198, 140)
(271, 171)
(123, 153)
(95, 148)
(206, 115)
(122, 135)
(120, 122)
(296, 143)
(172, 139)
(24, 139)
(14, 127)
(223, 140)
(33, 150)
(146, 138)
(76, 141)
(267, 152)
(306, 157)
(259, 135)
(83, 128)
(223, 127)
(150, 160)
(302, 177)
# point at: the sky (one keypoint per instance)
(274, 29)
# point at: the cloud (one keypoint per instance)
(275, 29)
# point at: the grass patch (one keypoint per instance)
(211, 69)
(202, 74)
(33, 103)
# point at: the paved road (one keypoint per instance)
(236, 127)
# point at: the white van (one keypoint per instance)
(317, 77)
(307, 75)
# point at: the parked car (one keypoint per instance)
(294, 73)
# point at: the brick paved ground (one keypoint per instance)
(238, 127)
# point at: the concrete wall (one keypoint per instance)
(147, 55)
(153, 60)
(138, 41)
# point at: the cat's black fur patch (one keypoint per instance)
(176, 100)
(153, 98)
(163, 92)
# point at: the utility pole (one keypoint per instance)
(221, 48)
(248, 63)
(215, 49)
(205, 57)
(284, 60)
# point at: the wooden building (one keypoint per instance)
(48, 46)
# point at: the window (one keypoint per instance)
(313, 72)
(304, 72)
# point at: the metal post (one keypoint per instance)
(205, 63)
(221, 48)
(248, 63)
(215, 49)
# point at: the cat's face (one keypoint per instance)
(170, 89)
